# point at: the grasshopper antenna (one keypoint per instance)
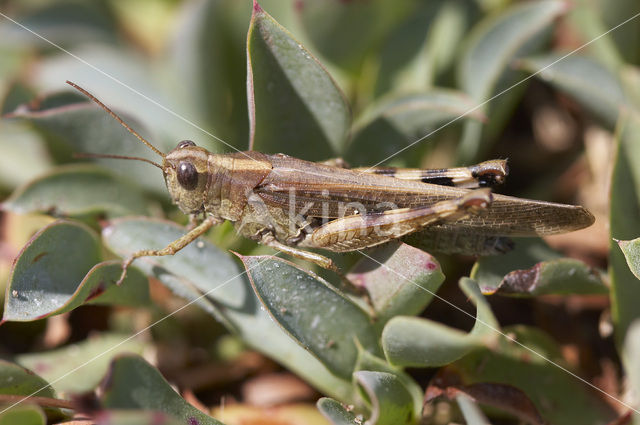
(120, 120)
(104, 155)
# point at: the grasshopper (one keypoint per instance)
(293, 205)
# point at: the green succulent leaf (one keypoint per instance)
(291, 96)
(624, 222)
(207, 54)
(412, 341)
(24, 156)
(90, 359)
(471, 411)
(66, 23)
(397, 122)
(132, 383)
(209, 278)
(631, 250)
(136, 417)
(527, 365)
(24, 414)
(16, 380)
(346, 32)
(312, 312)
(631, 359)
(57, 272)
(82, 127)
(534, 269)
(336, 412)
(369, 362)
(589, 82)
(399, 279)
(492, 47)
(77, 190)
(420, 49)
(391, 402)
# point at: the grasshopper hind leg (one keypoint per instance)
(361, 231)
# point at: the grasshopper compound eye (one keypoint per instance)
(185, 143)
(187, 175)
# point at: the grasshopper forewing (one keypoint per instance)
(291, 204)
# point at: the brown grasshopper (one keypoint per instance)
(292, 205)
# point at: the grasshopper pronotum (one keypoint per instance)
(291, 204)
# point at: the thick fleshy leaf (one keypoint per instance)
(65, 23)
(312, 312)
(631, 359)
(77, 190)
(47, 279)
(535, 269)
(135, 93)
(23, 414)
(15, 380)
(624, 222)
(501, 396)
(132, 383)
(471, 411)
(493, 45)
(399, 279)
(48, 270)
(631, 250)
(24, 156)
(135, 417)
(586, 80)
(411, 341)
(424, 46)
(585, 19)
(397, 122)
(295, 106)
(207, 53)
(336, 412)
(83, 127)
(630, 78)
(626, 36)
(369, 362)
(79, 367)
(346, 32)
(207, 276)
(528, 366)
(391, 403)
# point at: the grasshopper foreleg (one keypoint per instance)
(173, 247)
(368, 230)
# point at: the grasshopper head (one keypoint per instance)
(186, 174)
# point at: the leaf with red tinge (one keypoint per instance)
(532, 362)
(56, 272)
(502, 396)
(631, 250)
(132, 383)
(295, 107)
(534, 269)
(399, 279)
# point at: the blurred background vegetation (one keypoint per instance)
(409, 77)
